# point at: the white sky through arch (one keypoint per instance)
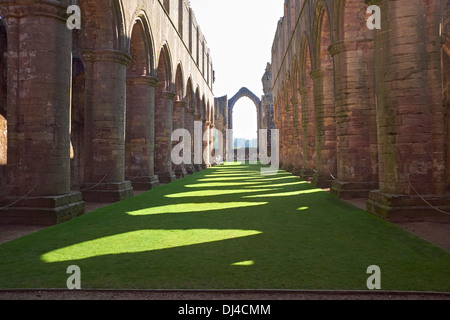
(245, 119)
(239, 34)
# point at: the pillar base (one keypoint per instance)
(145, 183)
(297, 171)
(107, 192)
(352, 190)
(402, 208)
(190, 169)
(306, 174)
(167, 177)
(288, 167)
(180, 173)
(323, 181)
(42, 211)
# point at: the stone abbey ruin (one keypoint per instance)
(86, 114)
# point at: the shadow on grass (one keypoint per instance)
(226, 227)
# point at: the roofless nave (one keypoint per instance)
(89, 112)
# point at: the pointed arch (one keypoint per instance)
(140, 105)
(308, 112)
(164, 70)
(179, 83)
(107, 16)
(164, 99)
(141, 47)
(324, 104)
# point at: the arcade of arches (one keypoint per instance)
(87, 114)
(367, 110)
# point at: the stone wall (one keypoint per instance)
(367, 109)
(90, 111)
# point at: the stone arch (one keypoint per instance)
(164, 70)
(356, 124)
(139, 127)
(179, 83)
(297, 116)
(308, 114)
(243, 92)
(349, 20)
(107, 17)
(189, 119)
(164, 100)
(104, 45)
(198, 106)
(324, 104)
(179, 114)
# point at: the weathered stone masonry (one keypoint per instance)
(87, 115)
(367, 110)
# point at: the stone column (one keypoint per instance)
(206, 146)
(295, 138)
(308, 133)
(105, 127)
(356, 125)
(325, 122)
(289, 146)
(284, 155)
(39, 83)
(198, 118)
(140, 132)
(189, 125)
(179, 108)
(163, 143)
(410, 113)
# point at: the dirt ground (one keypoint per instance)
(434, 232)
(241, 295)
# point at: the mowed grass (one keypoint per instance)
(228, 227)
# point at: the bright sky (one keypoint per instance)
(239, 34)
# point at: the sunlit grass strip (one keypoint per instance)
(211, 193)
(280, 234)
(141, 241)
(195, 207)
(284, 194)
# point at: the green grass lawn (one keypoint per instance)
(227, 227)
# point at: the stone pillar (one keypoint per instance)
(295, 137)
(289, 146)
(284, 162)
(189, 125)
(179, 108)
(105, 127)
(308, 133)
(356, 125)
(163, 134)
(410, 113)
(140, 131)
(206, 146)
(39, 81)
(325, 123)
(199, 166)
